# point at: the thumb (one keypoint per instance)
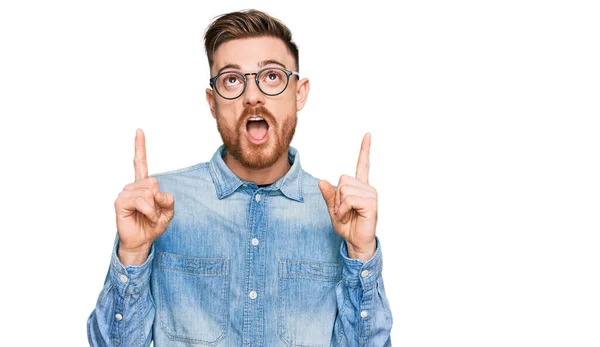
(329, 195)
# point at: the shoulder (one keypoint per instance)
(190, 170)
(195, 175)
(310, 183)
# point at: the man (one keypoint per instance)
(247, 249)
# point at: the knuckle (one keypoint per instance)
(124, 194)
(139, 201)
(345, 177)
(153, 182)
(343, 200)
(147, 193)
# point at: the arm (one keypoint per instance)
(125, 310)
(364, 317)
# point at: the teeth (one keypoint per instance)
(255, 118)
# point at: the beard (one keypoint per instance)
(251, 155)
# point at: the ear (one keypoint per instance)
(211, 101)
(302, 89)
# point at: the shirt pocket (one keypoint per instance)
(307, 304)
(193, 298)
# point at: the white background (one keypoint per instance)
(485, 152)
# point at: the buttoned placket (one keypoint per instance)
(255, 269)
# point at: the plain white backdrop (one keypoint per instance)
(485, 152)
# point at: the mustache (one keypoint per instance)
(258, 111)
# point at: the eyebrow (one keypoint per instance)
(260, 65)
(229, 66)
(270, 61)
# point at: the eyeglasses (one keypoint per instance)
(271, 81)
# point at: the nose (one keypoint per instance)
(253, 96)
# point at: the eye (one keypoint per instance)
(230, 80)
(272, 76)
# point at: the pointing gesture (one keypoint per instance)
(353, 207)
(143, 212)
(362, 167)
(139, 159)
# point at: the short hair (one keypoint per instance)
(246, 24)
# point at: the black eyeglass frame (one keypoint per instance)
(288, 73)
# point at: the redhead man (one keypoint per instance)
(247, 249)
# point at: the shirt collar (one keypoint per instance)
(226, 182)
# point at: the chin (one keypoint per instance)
(259, 156)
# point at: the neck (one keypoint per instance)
(266, 175)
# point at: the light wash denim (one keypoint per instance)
(242, 265)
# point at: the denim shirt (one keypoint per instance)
(243, 265)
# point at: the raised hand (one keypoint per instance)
(143, 212)
(353, 207)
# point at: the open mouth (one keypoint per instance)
(257, 130)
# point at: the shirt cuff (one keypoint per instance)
(356, 272)
(133, 278)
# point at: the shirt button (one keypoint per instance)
(255, 242)
(123, 278)
(252, 295)
(257, 198)
(364, 273)
(119, 316)
(364, 314)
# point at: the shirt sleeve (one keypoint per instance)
(364, 317)
(125, 310)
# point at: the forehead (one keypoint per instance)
(248, 53)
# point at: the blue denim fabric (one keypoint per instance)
(242, 265)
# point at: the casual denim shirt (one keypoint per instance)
(243, 265)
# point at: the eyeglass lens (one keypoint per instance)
(270, 82)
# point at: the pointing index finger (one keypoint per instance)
(362, 168)
(139, 159)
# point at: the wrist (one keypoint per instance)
(133, 257)
(361, 253)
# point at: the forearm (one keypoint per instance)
(124, 312)
(364, 316)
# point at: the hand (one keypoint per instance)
(143, 212)
(353, 207)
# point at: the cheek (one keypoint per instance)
(284, 108)
(229, 112)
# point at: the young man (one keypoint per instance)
(247, 249)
